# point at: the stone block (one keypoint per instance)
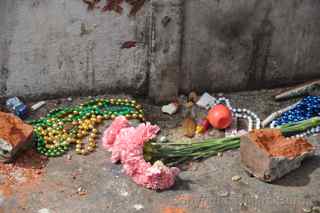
(14, 135)
(268, 155)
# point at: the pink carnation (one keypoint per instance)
(110, 134)
(126, 144)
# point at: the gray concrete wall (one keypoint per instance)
(57, 47)
(245, 44)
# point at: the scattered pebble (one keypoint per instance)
(138, 206)
(236, 178)
(220, 154)
(223, 194)
(163, 139)
(316, 209)
(307, 210)
(44, 210)
(124, 193)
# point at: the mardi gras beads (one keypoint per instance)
(70, 125)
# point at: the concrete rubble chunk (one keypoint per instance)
(14, 135)
(268, 155)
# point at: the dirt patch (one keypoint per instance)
(23, 174)
(276, 145)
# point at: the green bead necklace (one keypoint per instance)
(70, 125)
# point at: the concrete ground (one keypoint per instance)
(205, 186)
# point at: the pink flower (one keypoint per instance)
(110, 134)
(126, 144)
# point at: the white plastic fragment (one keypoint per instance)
(138, 206)
(38, 105)
(44, 210)
(206, 101)
(170, 108)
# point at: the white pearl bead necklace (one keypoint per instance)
(253, 119)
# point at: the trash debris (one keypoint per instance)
(171, 108)
(276, 114)
(165, 21)
(219, 116)
(193, 97)
(91, 3)
(236, 178)
(268, 155)
(138, 207)
(69, 99)
(38, 105)
(206, 101)
(189, 127)
(14, 136)
(115, 5)
(81, 191)
(128, 44)
(202, 126)
(304, 89)
(16, 106)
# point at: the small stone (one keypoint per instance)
(170, 109)
(223, 194)
(69, 99)
(163, 139)
(44, 210)
(220, 154)
(236, 178)
(69, 157)
(124, 193)
(316, 209)
(138, 206)
(14, 135)
(307, 210)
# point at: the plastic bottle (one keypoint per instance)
(17, 107)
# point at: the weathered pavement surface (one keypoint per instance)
(206, 186)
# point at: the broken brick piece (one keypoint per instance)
(268, 155)
(14, 135)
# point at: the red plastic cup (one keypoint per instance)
(219, 116)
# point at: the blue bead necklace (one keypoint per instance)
(307, 108)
